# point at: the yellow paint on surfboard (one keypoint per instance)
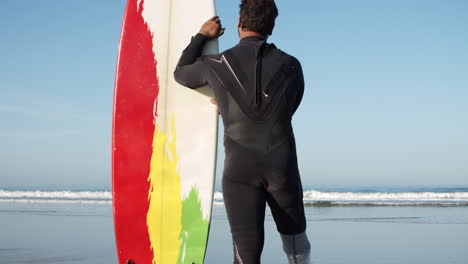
(165, 202)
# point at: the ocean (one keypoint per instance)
(313, 196)
(345, 224)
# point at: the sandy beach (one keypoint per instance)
(51, 232)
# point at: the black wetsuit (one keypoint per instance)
(257, 88)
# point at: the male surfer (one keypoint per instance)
(257, 89)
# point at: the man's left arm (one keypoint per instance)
(299, 87)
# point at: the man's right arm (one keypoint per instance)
(190, 72)
(299, 87)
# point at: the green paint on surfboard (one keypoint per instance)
(194, 231)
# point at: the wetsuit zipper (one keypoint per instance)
(258, 73)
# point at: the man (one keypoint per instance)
(257, 89)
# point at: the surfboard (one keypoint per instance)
(164, 137)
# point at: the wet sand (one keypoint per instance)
(43, 232)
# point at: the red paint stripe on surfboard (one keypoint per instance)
(136, 88)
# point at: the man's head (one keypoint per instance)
(258, 16)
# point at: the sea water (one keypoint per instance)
(321, 195)
(345, 224)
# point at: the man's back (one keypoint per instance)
(257, 88)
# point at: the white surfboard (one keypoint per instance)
(162, 195)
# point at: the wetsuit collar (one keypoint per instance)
(252, 39)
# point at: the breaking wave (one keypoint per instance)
(321, 198)
(56, 196)
(311, 198)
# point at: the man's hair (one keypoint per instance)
(258, 15)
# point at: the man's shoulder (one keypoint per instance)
(271, 50)
(284, 56)
(290, 57)
(230, 50)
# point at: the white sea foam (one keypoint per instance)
(314, 197)
(384, 196)
(218, 199)
(56, 196)
(57, 201)
(320, 198)
(311, 197)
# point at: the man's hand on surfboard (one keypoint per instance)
(212, 28)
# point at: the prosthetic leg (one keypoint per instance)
(297, 248)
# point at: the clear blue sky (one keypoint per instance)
(386, 98)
